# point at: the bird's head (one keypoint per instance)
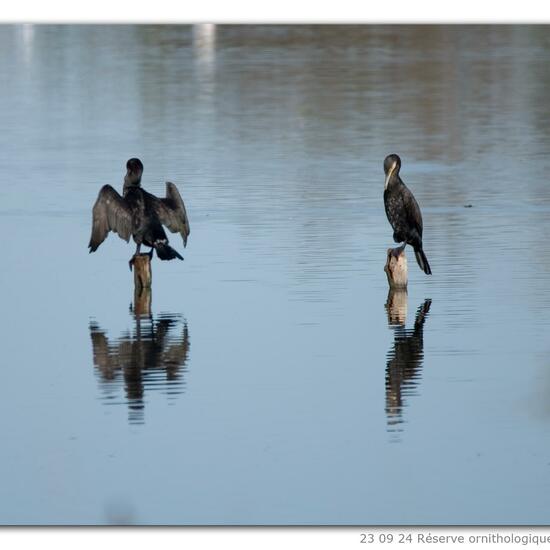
(392, 164)
(134, 169)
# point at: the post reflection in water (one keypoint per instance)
(405, 357)
(152, 357)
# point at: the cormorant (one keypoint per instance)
(139, 214)
(403, 211)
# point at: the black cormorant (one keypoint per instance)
(403, 211)
(139, 214)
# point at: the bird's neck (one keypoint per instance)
(394, 180)
(130, 184)
(390, 182)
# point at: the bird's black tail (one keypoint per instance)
(166, 252)
(422, 261)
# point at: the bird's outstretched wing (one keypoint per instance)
(171, 212)
(110, 213)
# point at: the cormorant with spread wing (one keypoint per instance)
(403, 211)
(139, 214)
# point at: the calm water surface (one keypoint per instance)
(276, 381)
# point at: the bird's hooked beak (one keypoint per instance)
(389, 174)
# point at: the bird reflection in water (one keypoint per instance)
(405, 358)
(151, 357)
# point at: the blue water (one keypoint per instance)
(274, 381)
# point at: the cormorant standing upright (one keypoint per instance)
(403, 211)
(139, 214)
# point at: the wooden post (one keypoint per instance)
(396, 268)
(142, 284)
(142, 301)
(142, 271)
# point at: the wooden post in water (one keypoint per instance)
(396, 268)
(142, 284)
(142, 301)
(142, 271)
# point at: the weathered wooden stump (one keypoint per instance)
(142, 301)
(396, 268)
(397, 306)
(143, 276)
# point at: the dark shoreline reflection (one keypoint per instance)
(152, 357)
(404, 359)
